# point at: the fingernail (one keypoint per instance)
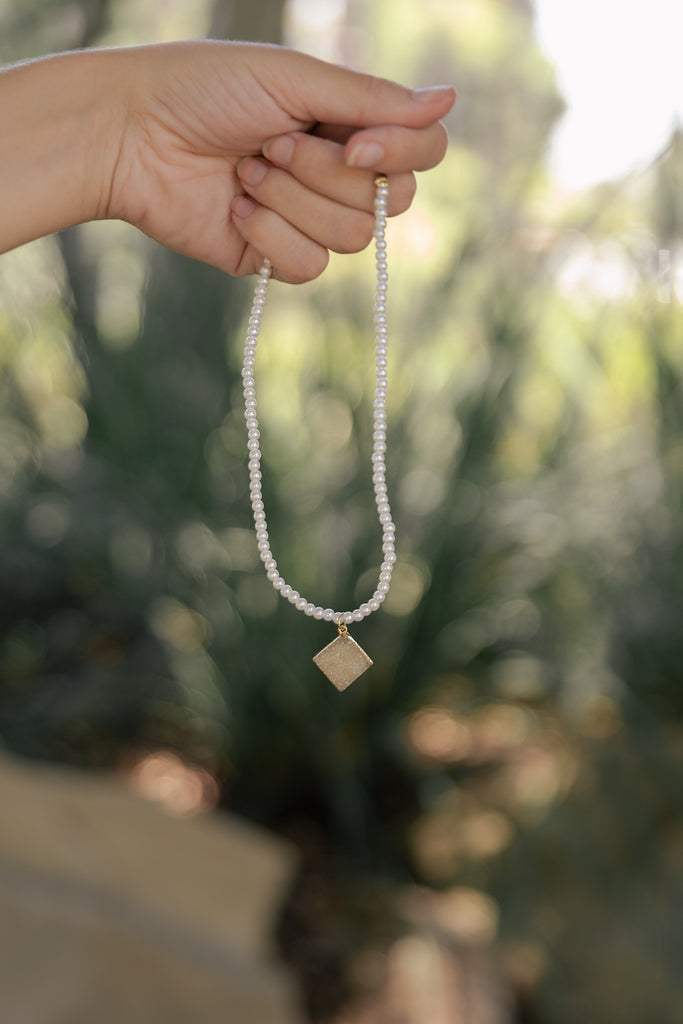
(432, 92)
(279, 150)
(252, 171)
(242, 206)
(366, 154)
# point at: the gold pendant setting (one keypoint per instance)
(343, 660)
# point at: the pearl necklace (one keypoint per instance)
(343, 660)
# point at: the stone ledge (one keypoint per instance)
(111, 911)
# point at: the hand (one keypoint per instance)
(231, 152)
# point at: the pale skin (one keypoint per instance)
(226, 152)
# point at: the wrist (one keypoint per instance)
(61, 118)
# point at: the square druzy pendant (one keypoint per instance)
(342, 661)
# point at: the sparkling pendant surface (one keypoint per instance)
(342, 661)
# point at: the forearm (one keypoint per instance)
(58, 129)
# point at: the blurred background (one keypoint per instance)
(487, 826)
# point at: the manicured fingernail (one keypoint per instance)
(242, 206)
(433, 92)
(366, 154)
(251, 171)
(279, 150)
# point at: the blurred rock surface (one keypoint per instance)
(110, 910)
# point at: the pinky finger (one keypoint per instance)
(296, 258)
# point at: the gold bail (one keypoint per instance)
(342, 627)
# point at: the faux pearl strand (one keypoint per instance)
(379, 435)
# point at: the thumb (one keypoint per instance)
(339, 95)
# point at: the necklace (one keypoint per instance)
(343, 660)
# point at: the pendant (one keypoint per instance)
(343, 660)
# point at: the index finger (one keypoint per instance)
(392, 148)
(319, 164)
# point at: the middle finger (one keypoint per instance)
(330, 223)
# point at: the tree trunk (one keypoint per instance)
(257, 21)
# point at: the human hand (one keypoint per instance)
(231, 152)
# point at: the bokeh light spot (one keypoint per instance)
(179, 626)
(182, 789)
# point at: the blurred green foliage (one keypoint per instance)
(520, 732)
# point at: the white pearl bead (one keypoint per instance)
(379, 446)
